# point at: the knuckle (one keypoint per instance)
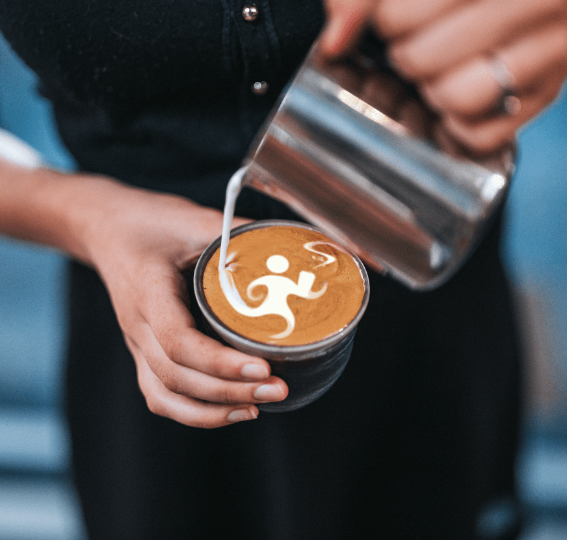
(170, 381)
(225, 395)
(230, 392)
(221, 361)
(224, 363)
(462, 104)
(477, 138)
(168, 339)
(407, 62)
(216, 358)
(154, 405)
(166, 374)
(434, 94)
(439, 97)
(486, 142)
(206, 423)
(388, 19)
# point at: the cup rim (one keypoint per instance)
(260, 348)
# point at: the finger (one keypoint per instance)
(187, 411)
(477, 28)
(488, 134)
(196, 384)
(346, 20)
(164, 309)
(473, 89)
(395, 18)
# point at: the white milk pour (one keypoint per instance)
(232, 191)
(279, 287)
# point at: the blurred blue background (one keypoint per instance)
(37, 501)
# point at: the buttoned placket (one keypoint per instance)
(250, 12)
(259, 50)
(259, 44)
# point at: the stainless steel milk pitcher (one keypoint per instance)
(354, 150)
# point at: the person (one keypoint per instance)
(158, 102)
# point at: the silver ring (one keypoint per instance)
(508, 102)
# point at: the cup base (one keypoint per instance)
(311, 383)
(308, 379)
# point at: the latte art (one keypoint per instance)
(284, 285)
(278, 289)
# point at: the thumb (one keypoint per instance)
(346, 21)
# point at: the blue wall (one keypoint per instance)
(536, 240)
(37, 500)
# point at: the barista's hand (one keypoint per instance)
(140, 245)
(447, 48)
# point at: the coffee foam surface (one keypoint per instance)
(284, 285)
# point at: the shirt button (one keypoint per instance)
(260, 88)
(250, 13)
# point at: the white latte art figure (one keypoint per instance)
(279, 288)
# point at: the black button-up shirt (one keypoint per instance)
(162, 94)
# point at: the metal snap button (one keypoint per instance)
(260, 88)
(250, 13)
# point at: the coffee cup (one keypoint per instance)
(309, 365)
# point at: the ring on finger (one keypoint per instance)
(508, 103)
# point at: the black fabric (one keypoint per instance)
(416, 439)
(168, 80)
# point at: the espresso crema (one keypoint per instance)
(284, 285)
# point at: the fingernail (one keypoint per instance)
(269, 392)
(255, 372)
(240, 415)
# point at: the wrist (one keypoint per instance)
(51, 208)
